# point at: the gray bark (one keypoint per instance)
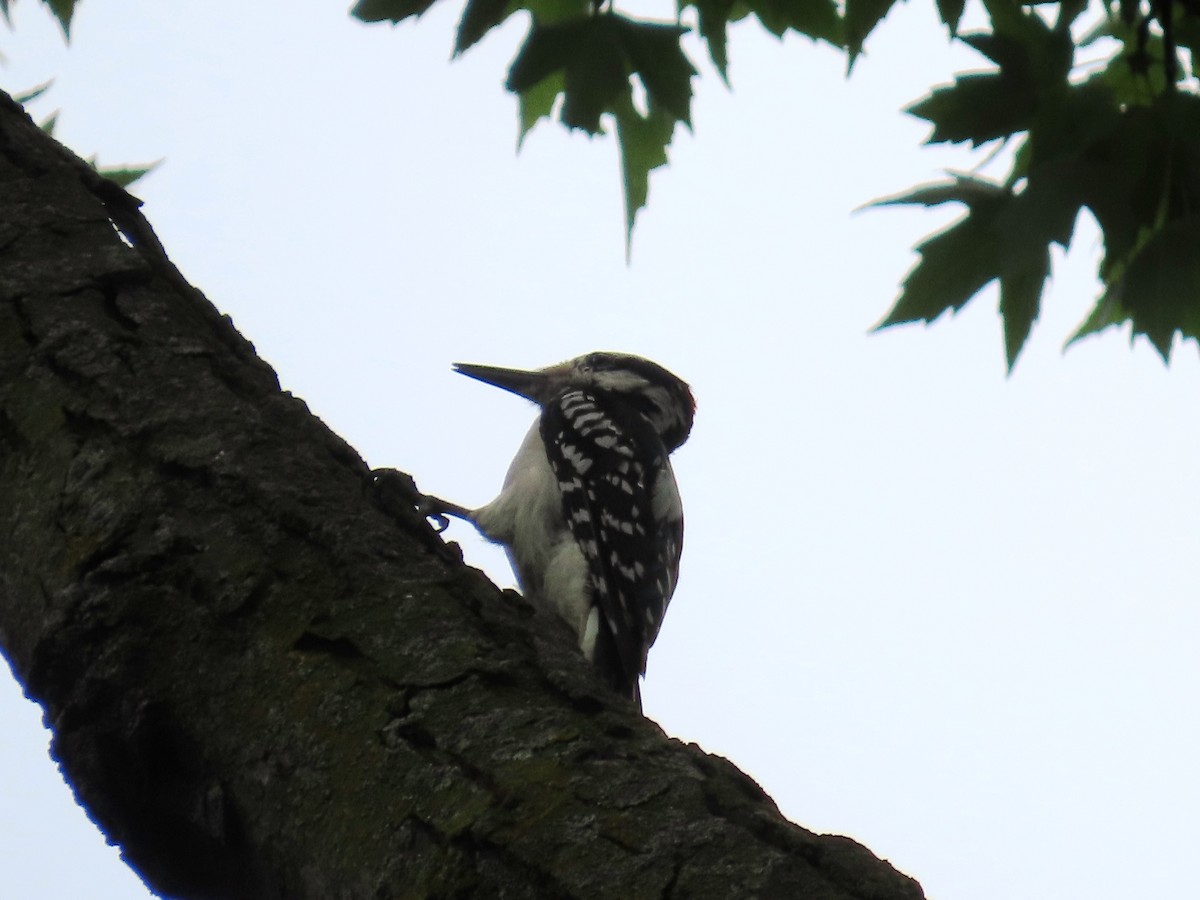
(268, 678)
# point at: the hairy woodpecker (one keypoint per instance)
(589, 512)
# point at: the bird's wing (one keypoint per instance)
(620, 502)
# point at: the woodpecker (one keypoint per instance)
(589, 512)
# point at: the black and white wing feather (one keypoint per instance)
(622, 505)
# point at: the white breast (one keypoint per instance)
(527, 517)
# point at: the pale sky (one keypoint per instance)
(943, 611)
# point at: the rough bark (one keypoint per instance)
(265, 681)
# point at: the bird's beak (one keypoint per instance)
(519, 381)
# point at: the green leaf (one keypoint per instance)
(49, 123)
(33, 93)
(1005, 235)
(536, 103)
(643, 141)
(479, 17)
(1066, 124)
(1026, 49)
(63, 10)
(819, 20)
(1106, 313)
(589, 53)
(976, 108)
(1048, 206)
(955, 265)
(596, 75)
(590, 61)
(1123, 177)
(963, 189)
(658, 60)
(546, 50)
(860, 20)
(549, 11)
(389, 10)
(1012, 18)
(816, 19)
(1160, 289)
(1004, 50)
(714, 17)
(596, 56)
(127, 175)
(950, 12)
(1121, 143)
(1034, 63)
(1068, 12)
(1020, 298)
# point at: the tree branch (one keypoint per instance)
(261, 682)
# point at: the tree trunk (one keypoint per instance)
(268, 678)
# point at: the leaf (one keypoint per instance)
(545, 51)
(955, 264)
(127, 175)
(643, 141)
(1010, 17)
(1160, 289)
(479, 17)
(1034, 63)
(589, 54)
(1048, 206)
(1068, 12)
(1065, 125)
(395, 11)
(1134, 169)
(1106, 313)
(1122, 178)
(1004, 50)
(1122, 144)
(596, 75)
(658, 60)
(590, 61)
(977, 108)
(963, 189)
(537, 102)
(63, 10)
(1047, 53)
(819, 20)
(714, 17)
(950, 12)
(1020, 298)
(1005, 235)
(33, 93)
(860, 20)
(548, 12)
(816, 19)
(49, 123)
(596, 56)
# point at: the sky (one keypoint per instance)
(945, 611)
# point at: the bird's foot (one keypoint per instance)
(397, 493)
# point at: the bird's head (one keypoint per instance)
(644, 386)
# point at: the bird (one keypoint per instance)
(590, 512)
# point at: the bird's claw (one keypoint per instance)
(398, 493)
(430, 510)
